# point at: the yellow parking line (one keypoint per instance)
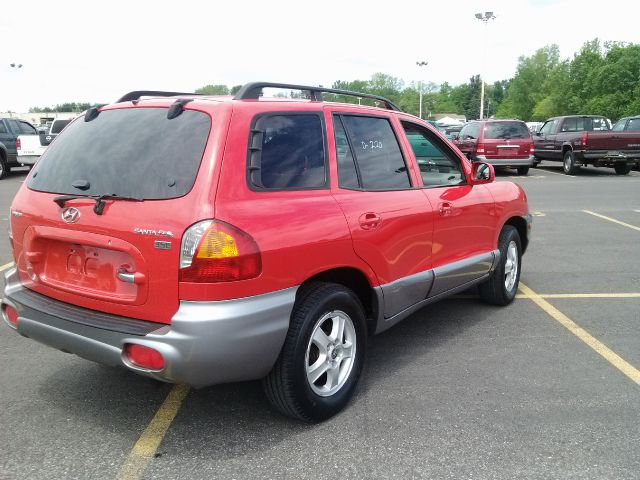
(146, 446)
(600, 348)
(565, 295)
(5, 266)
(604, 217)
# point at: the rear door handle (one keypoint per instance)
(446, 208)
(369, 220)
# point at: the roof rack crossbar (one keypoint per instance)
(254, 90)
(132, 96)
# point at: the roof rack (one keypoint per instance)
(254, 90)
(132, 96)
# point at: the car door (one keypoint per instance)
(7, 139)
(10, 143)
(465, 219)
(544, 141)
(390, 221)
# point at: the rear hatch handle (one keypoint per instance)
(125, 275)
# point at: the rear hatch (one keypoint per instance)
(118, 254)
(506, 140)
(614, 143)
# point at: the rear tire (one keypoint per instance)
(502, 285)
(316, 343)
(3, 168)
(523, 170)
(622, 169)
(569, 165)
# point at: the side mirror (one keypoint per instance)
(455, 138)
(537, 134)
(482, 173)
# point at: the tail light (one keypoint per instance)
(531, 149)
(18, 144)
(480, 148)
(214, 251)
(144, 357)
(10, 314)
(583, 139)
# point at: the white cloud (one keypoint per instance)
(96, 51)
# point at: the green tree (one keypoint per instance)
(213, 90)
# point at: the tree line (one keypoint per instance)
(602, 79)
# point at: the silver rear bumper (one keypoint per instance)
(506, 162)
(206, 343)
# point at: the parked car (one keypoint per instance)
(56, 127)
(577, 140)
(10, 129)
(203, 242)
(627, 124)
(451, 131)
(534, 126)
(502, 143)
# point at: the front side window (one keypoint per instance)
(133, 152)
(438, 166)
(634, 125)
(377, 153)
(58, 125)
(3, 129)
(287, 152)
(548, 127)
(619, 125)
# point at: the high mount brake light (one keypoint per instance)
(214, 251)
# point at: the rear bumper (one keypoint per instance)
(506, 162)
(28, 159)
(206, 343)
(606, 158)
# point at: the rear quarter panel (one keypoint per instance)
(510, 201)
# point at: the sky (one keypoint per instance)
(90, 51)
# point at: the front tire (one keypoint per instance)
(322, 357)
(502, 285)
(569, 165)
(3, 168)
(622, 169)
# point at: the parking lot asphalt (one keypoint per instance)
(459, 390)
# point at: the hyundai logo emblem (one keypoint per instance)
(71, 215)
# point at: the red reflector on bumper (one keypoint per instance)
(10, 314)
(144, 357)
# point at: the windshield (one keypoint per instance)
(134, 152)
(504, 130)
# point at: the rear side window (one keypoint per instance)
(347, 173)
(3, 129)
(505, 130)
(27, 129)
(58, 125)
(134, 152)
(287, 152)
(377, 153)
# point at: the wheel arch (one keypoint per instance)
(520, 224)
(356, 281)
(565, 148)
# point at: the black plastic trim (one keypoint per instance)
(135, 95)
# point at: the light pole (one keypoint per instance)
(421, 64)
(484, 18)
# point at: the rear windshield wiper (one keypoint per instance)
(99, 199)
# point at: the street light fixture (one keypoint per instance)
(421, 64)
(15, 65)
(484, 18)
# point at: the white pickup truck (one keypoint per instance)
(30, 147)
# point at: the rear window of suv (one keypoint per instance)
(505, 130)
(134, 152)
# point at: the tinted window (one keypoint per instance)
(133, 152)
(437, 165)
(58, 125)
(3, 129)
(27, 129)
(472, 131)
(634, 125)
(549, 127)
(377, 153)
(505, 130)
(347, 174)
(291, 153)
(15, 126)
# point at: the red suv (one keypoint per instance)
(206, 239)
(502, 143)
